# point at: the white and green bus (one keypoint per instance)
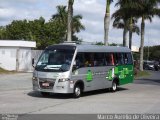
(71, 68)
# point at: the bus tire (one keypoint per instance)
(45, 94)
(114, 86)
(77, 91)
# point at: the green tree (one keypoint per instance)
(18, 29)
(60, 18)
(107, 21)
(2, 32)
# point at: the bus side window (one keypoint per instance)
(99, 59)
(121, 55)
(119, 59)
(80, 60)
(88, 57)
(125, 58)
(129, 56)
(116, 59)
(109, 59)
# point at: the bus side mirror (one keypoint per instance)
(33, 62)
(75, 66)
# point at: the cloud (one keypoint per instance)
(93, 12)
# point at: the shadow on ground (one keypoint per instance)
(148, 81)
(69, 96)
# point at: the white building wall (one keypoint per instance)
(8, 58)
(25, 60)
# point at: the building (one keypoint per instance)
(16, 55)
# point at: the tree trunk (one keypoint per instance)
(69, 21)
(130, 40)
(130, 33)
(142, 44)
(106, 22)
(125, 35)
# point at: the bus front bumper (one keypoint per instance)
(62, 87)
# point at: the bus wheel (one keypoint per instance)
(45, 94)
(114, 86)
(77, 91)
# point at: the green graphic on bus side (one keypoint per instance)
(126, 71)
(125, 75)
(116, 72)
(122, 75)
(89, 76)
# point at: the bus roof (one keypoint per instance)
(92, 48)
(98, 48)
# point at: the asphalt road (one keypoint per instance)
(17, 97)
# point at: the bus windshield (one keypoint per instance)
(55, 60)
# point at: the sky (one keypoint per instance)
(93, 16)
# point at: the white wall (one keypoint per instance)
(8, 58)
(25, 60)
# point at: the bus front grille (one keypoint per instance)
(46, 83)
(49, 86)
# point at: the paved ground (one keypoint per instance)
(16, 96)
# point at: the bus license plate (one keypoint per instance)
(45, 84)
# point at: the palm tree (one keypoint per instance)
(61, 18)
(147, 12)
(121, 23)
(69, 21)
(144, 9)
(126, 12)
(133, 28)
(61, 14)
(107, 21)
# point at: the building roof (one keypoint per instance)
(17, 43)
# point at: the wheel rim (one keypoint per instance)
(77, 91)
(114, 87)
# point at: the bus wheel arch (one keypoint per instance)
(115, 83)
(78, 89)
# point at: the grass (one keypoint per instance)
(3, 71)
(142, 74)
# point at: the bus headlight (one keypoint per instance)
(63, 80)
(34, 78)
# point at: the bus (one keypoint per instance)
(72, 68)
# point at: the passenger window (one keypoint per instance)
(119, 59)
(99, 59)
(109, 59)
(128, 58)
(89, 59)
(80, 60)
(125, 58)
